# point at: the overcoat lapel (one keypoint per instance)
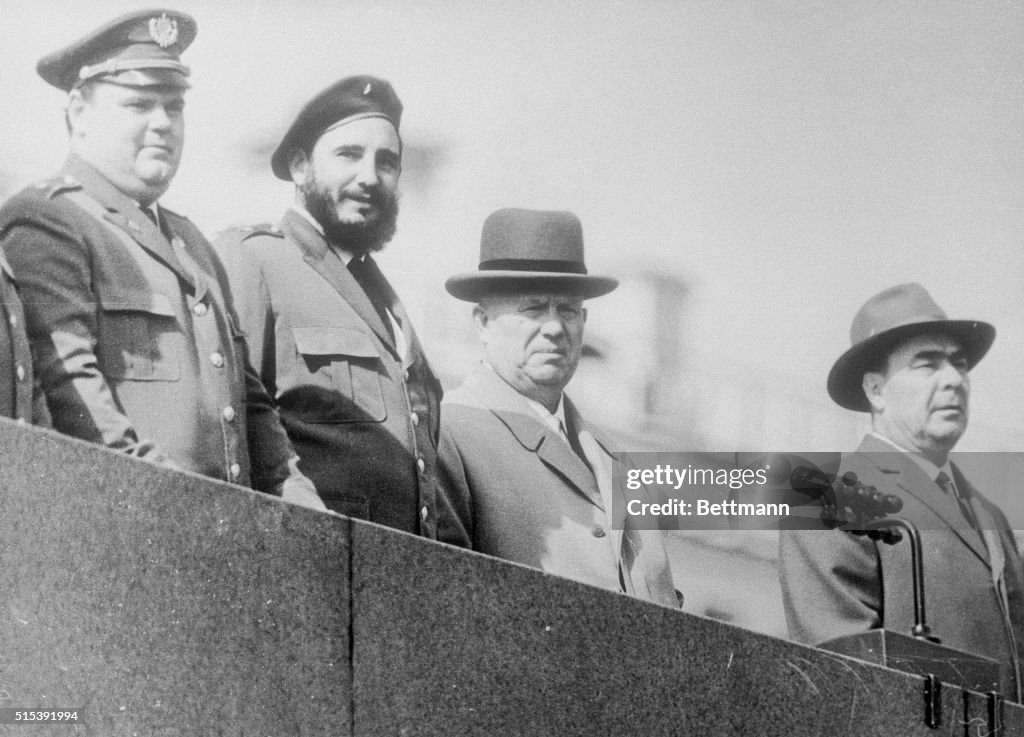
(124, 213)
(328, 265)
(529, 430)
(911, 479)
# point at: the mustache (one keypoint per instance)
(373, 196)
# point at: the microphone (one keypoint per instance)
(846, 502)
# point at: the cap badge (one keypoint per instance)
(367, 88)
(163, 30)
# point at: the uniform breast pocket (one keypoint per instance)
(344, 368)
(138, 338)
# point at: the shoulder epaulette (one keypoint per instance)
(53, 187)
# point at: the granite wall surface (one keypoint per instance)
(159, 603)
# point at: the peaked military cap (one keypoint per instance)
(348, 99)
(523, 250)
(140, 49)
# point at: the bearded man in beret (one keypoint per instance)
(327, 333)
(136, 344)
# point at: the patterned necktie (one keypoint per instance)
(368, 278)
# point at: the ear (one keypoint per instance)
(298, 166)
(77, 109)
(482, 322)
(873, 384)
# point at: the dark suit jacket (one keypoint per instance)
(836, 584)
(363, 421)
(135, 343)
(524, 495)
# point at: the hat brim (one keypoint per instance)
(846, 379)
(472, 285)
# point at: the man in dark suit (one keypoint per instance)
(134, 337)
(909, 367)
(327, 333)
(530, 480)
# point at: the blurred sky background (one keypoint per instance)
(780, 161)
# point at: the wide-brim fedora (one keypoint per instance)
(530, 250)
(888, 318)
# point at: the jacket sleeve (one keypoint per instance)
(831, 584)
(272, 458)
(251, 300)
(454, 499)
(52, 264)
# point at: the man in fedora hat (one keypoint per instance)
(327, 333)
(135, 341)
(530, 480)
(909, 368)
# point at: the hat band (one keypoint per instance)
(533, 264)
(116, 66)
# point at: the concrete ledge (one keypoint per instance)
(163, 603)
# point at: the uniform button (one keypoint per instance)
(228, 413)
(415, 419)
(14, 320)
(598, 531)
(424, 513)
(235, 470)
(216, 359)
(200, 309)
(20, 371)
(407, 374)
(421, 465)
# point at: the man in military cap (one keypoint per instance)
(135, 342)
(327, 333)
(908, 367)
(531, 481)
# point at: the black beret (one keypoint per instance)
(140, 49)
(361, 96)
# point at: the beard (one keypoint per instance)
(367, 236)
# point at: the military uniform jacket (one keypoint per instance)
(20, 396)
(837, 584)
(135, 343)
(524, 495)
(363, 420)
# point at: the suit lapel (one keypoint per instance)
(124, 213)
(987, 524)
(529, 430)
(329, 265)
(911, 479)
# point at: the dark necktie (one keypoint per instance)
(157, 221)
(946, 484)
(371, 281)
(574, 441)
